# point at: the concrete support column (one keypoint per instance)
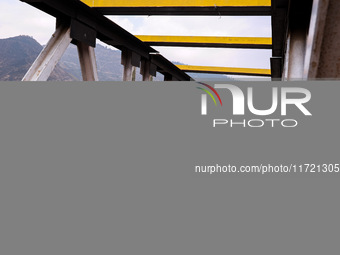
(148, 70)
(130, 60)
(329, 54)
(45, 63)
(315, 38)
(127, 63)
(145, 70)
(296, 54)
(87, 60)
(167, 77)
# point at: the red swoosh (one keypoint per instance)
(213, 90)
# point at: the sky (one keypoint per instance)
(18, 18)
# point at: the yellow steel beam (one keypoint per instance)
(208, 41)
(225, 70)
(177, 3)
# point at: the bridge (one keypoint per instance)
(305, 37)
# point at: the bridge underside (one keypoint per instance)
(83, 25)
(305, 39)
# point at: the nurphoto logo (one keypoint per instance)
(297, 97)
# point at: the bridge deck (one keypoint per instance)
(182, 7)
(208, 41)
(225, 70)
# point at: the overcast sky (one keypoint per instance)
(18, 18)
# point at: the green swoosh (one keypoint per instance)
(208, 92)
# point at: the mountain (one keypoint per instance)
(18, 53)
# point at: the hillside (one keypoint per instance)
(18, 53)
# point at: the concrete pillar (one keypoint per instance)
(45, 63)
(87, 60)
(127, 63)
(145, 70)
(296, 54)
